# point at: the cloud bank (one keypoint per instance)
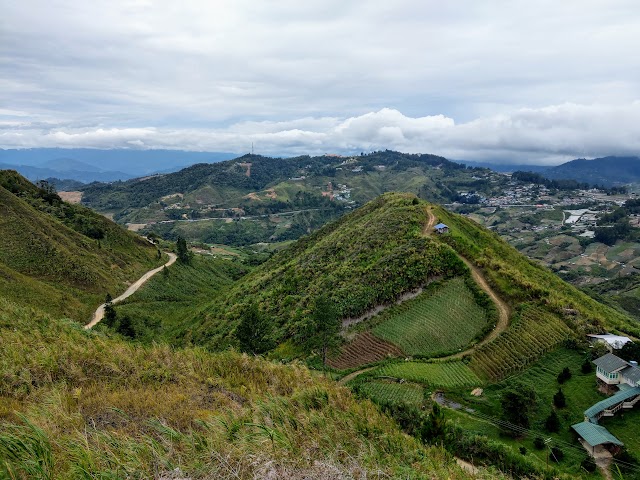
(538, 80)
(546, 135)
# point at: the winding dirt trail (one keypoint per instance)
(503, 309)
(99, 313)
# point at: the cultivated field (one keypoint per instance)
(393, 392)
(364, 349)
(442, 374)
(533, 333)
(440, 322)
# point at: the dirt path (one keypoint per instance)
(503, 309)
(347, 378)
(99, 313)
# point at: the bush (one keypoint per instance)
(552, 423)
(586, 366)
(556, 454)
(538, 443)
(559, 399)
(564, 375)
(523, 450)
(589, 464)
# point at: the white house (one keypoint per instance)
(612, 370)
(613, 342)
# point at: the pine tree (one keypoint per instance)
(184, 255)
(254, 331)
(110, 315)
(559, 399)
(552, 423)
(322, 328)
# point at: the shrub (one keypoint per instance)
(559, 399)
(523, 450)
(586, 366)
(538, 443)
(556, 454)
(589, 464)
(552, 423)
(564, 375)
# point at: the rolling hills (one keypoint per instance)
(599, 171)
(76, 404)
(383, 252)
(59, 257)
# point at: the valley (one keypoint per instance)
(441, 314)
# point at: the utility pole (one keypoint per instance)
(547, 442)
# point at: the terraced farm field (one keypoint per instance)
(393, 392)
(533, 334)
(364, 349)
(437, 322)
(442, 374)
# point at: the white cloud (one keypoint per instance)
(535, 79)
(549, 134)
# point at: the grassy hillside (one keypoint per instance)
(77, 404)
(366, 258)
(520, 280)
(59, 257)
(169, 299)
(310, 191)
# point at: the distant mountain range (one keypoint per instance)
(89, 165)
(605, 171)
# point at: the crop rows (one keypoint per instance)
(364, 349)
(393, 392)
(536, 333)
(444, 321)
(442, 374)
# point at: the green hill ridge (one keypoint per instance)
(60, 257)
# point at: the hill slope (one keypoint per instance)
(380, 252)
(62, 258)
(605, 171)
(74, 404)
(364, 259)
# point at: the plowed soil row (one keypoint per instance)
(365, 348)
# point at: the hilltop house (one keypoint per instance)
(613, 371)
(441, 228)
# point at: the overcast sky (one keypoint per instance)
(519, 81)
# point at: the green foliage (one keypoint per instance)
(254, 331)
(50, 260)
(557, 454)
(320, 331)
(434, 428)
(85, 402)
(184, 255)
(629, 351)
(367, 258)
(552, 423)
(518, 402)
(586, 366)
(564, 375)
(589, 464)
(533, 332)
(453, 374)
(559, 400)
(426, 325)
(538, 442)
(385, 392)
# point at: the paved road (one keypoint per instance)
(99, 313)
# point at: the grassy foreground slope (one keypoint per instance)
(59, 257)
(76, 404)
(366, 258)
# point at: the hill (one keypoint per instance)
(77, 404)
(606, 171)
(59, 257)
(130, 161)
(260, 199)
(385, 251)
